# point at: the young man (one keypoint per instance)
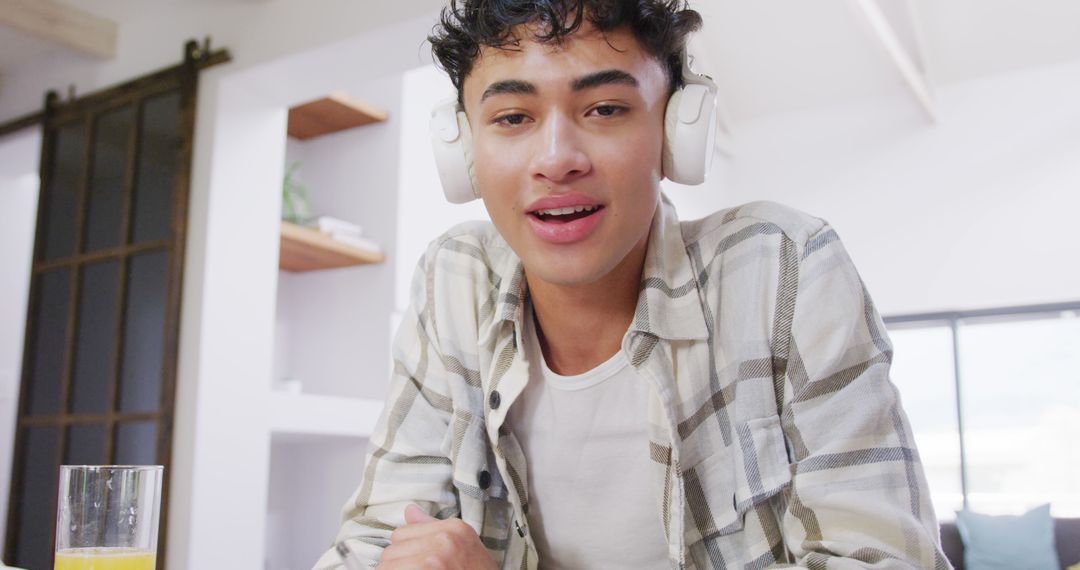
(590, 383)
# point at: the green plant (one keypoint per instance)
(295, 204)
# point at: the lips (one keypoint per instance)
(564, 219)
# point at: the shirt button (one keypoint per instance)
(494, 399)
(484, 479)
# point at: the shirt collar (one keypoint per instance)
(668, 303)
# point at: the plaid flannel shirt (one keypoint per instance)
(776, 436)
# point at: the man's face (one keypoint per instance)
(567, 150)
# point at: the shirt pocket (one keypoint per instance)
(480, 490)
(475, 472)
(724, 486)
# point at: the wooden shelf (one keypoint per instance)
(335, 112)
(305, 249)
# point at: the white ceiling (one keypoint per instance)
(772, 56)
(777, 55)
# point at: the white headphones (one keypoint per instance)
(689, 137)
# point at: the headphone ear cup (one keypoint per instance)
(690, 133)
(451, 142)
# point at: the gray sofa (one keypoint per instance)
(1066, 536)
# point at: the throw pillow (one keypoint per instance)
(1024, 542)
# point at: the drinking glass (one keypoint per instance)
(107, 517)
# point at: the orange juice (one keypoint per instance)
(104, 559)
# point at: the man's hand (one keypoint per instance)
(431, 544)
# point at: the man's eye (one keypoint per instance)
(608, 110)
(511, 120)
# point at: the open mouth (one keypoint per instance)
(565, 215)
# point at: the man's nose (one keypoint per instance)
(561, 157)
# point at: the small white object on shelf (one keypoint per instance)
(332, 225)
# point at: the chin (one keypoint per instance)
(566, 272)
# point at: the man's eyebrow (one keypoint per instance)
(595, 79)
(606, 77)
(515, 86)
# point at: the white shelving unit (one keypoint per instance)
(331, 319)
(262, 474)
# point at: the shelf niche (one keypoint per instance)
(305, 249)
(335, 112)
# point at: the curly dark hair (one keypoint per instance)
(661, 28)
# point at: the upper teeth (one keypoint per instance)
(564, 211)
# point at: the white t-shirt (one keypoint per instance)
(585, 438)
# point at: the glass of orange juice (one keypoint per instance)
(107, 517)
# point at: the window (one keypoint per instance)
(1021, 408)
(994, 401)
(923, 371)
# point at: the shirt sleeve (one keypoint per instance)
(407, 460)
(859, 496)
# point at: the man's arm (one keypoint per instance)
(858, 497)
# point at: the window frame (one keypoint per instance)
(953, 320)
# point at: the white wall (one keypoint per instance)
(424, 212)
(977, 211)
(18, 194)
(226, 344)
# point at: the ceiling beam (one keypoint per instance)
(61, 24)
(912, 73)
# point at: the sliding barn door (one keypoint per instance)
(99, 366)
